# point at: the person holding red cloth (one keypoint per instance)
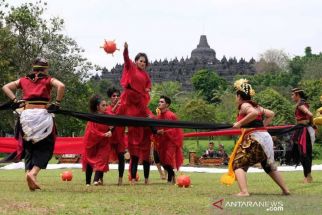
(97, 146)
(36, 132)
(135, 98)
(304, 137)
(170, 141)
(117, 140)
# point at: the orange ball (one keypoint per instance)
(183, 181)
(66, 176)
(109, 47)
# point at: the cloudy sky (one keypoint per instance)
(172, 28)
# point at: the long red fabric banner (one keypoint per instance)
(64, 145)
(74, 145)
(228, 132)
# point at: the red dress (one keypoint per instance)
(170, 143)
(117, 140)
(96, 147)
(134, 102)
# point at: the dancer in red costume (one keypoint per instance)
(97, 146)
(37, 131)
(170, 141)
(117, 139)
(136, 85)
(303, 138)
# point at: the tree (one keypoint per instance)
(312, 69)
(262, 66)
(208, 83)
(308, 67)
(313, 91)
(24, 35)
(275, 60)
(100, 86)
(226, 110)
(197, 110)
(172, 89)
(308, 51)
(274, 101)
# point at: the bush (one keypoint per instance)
(317, 151)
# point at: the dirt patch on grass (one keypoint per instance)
(15, 207)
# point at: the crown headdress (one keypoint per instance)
(243, 86)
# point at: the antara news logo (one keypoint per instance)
(276, 206)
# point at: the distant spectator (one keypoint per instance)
(210, 152)
(221, 153)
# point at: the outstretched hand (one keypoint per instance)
(126, 45)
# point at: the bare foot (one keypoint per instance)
(120, 182)
(133, 182)
(146, 181)
(242, 194)
(31, 180)
(309, 178)
(286, 192)
(173, 181)
(162, 177)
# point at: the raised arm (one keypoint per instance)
(127, 60)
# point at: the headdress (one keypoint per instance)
(297, 90)
(39, 63)
(243, 86)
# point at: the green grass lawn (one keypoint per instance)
(58, 197)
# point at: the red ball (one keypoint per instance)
(109, 47)
(183, 181)
(67, 176)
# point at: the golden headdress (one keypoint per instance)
(243, 86)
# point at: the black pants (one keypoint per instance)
(170, 171)
(134, 167)
(299, 156)
(88, 174)
(156, 157)
(121, 164)
(89, 171)
(40, 153)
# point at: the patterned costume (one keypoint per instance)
(256, 147)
